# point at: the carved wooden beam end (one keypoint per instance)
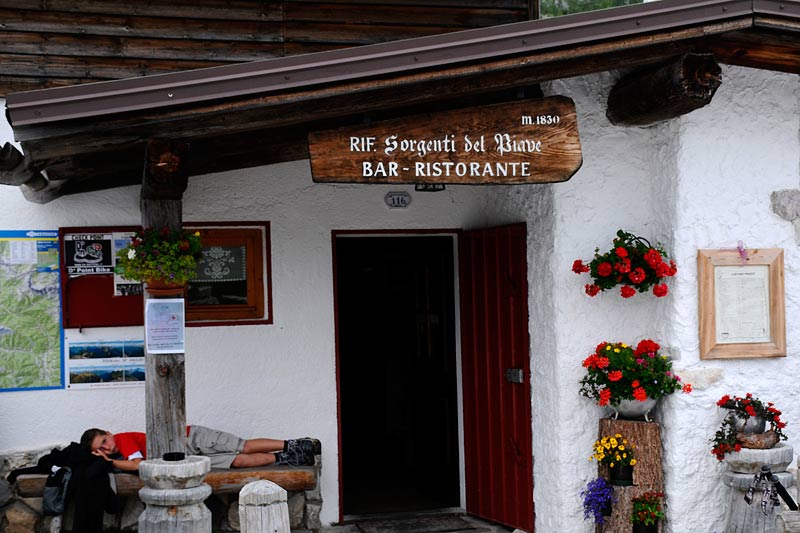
(18, 170)
(651, 95)
(165, 172)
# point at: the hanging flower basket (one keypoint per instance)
(165, 256)
(633, 263)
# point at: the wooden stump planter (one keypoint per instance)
(647, 474)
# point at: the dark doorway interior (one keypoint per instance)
(396, 335)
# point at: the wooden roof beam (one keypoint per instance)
(651, 95)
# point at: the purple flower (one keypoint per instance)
(598, 496)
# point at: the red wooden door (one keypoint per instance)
(496, 375)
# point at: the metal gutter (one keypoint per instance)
(273, 75)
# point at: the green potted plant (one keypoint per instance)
(627, 379)
(618, 454)
(598, 498)
(160, 256)
(646, 511)
(633, 263)
(747, 415)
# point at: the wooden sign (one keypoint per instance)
(527, 141)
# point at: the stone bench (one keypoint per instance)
(300, 482)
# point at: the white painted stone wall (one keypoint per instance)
(701, 181)
(275, 380)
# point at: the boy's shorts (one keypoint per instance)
(221, 447)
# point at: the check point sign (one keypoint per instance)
(527, 141)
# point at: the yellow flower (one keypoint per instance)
(614, 442)
(633, 462)
(618, 457)
(624, 345)
(611, 465)
(608, 347)
(624, 455)
(616, 350)
(618, 435)
(622, 448)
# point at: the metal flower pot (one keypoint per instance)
(634, 408)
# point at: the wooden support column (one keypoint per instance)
(163, 183)
(651, 95)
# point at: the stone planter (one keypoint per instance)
(749, 461)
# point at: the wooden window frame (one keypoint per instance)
(258, 309)
(707, 260)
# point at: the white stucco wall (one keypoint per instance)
(700, 181)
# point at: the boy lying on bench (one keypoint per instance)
(126, 450)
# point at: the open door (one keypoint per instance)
(496, 375)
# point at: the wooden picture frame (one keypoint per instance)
(741, 303)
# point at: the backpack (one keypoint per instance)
(54, 496)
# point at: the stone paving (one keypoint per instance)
(478, 526)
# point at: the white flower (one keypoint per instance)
(131, 254)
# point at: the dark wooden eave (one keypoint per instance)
(91, 136)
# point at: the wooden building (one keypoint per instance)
(434, 348)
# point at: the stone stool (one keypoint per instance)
(174, 493)
(744, 465)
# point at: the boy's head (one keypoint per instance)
(97, 439)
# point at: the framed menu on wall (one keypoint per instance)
(741, 303)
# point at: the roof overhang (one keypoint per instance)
(91, 136)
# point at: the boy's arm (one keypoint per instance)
(128, 465)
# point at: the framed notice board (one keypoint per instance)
(741, 303)
(91, 295)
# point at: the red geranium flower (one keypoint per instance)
(627, 291)
(624, 266)
(687, 388)
(646, 346)
(615, 375)
(605, 397)
(591, 290)
(660, 289)
(604, 269)
(621, 251)
(637, 276)
(578, 267)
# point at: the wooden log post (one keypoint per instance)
(647, 474)
(263, 507)
(163, 183)
(651, 95)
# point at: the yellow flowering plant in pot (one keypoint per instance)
(160, 255)
(618, 454)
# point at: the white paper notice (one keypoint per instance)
(22, 252)
(164, 325)
(742, 304)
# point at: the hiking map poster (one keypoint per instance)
(30, 336)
